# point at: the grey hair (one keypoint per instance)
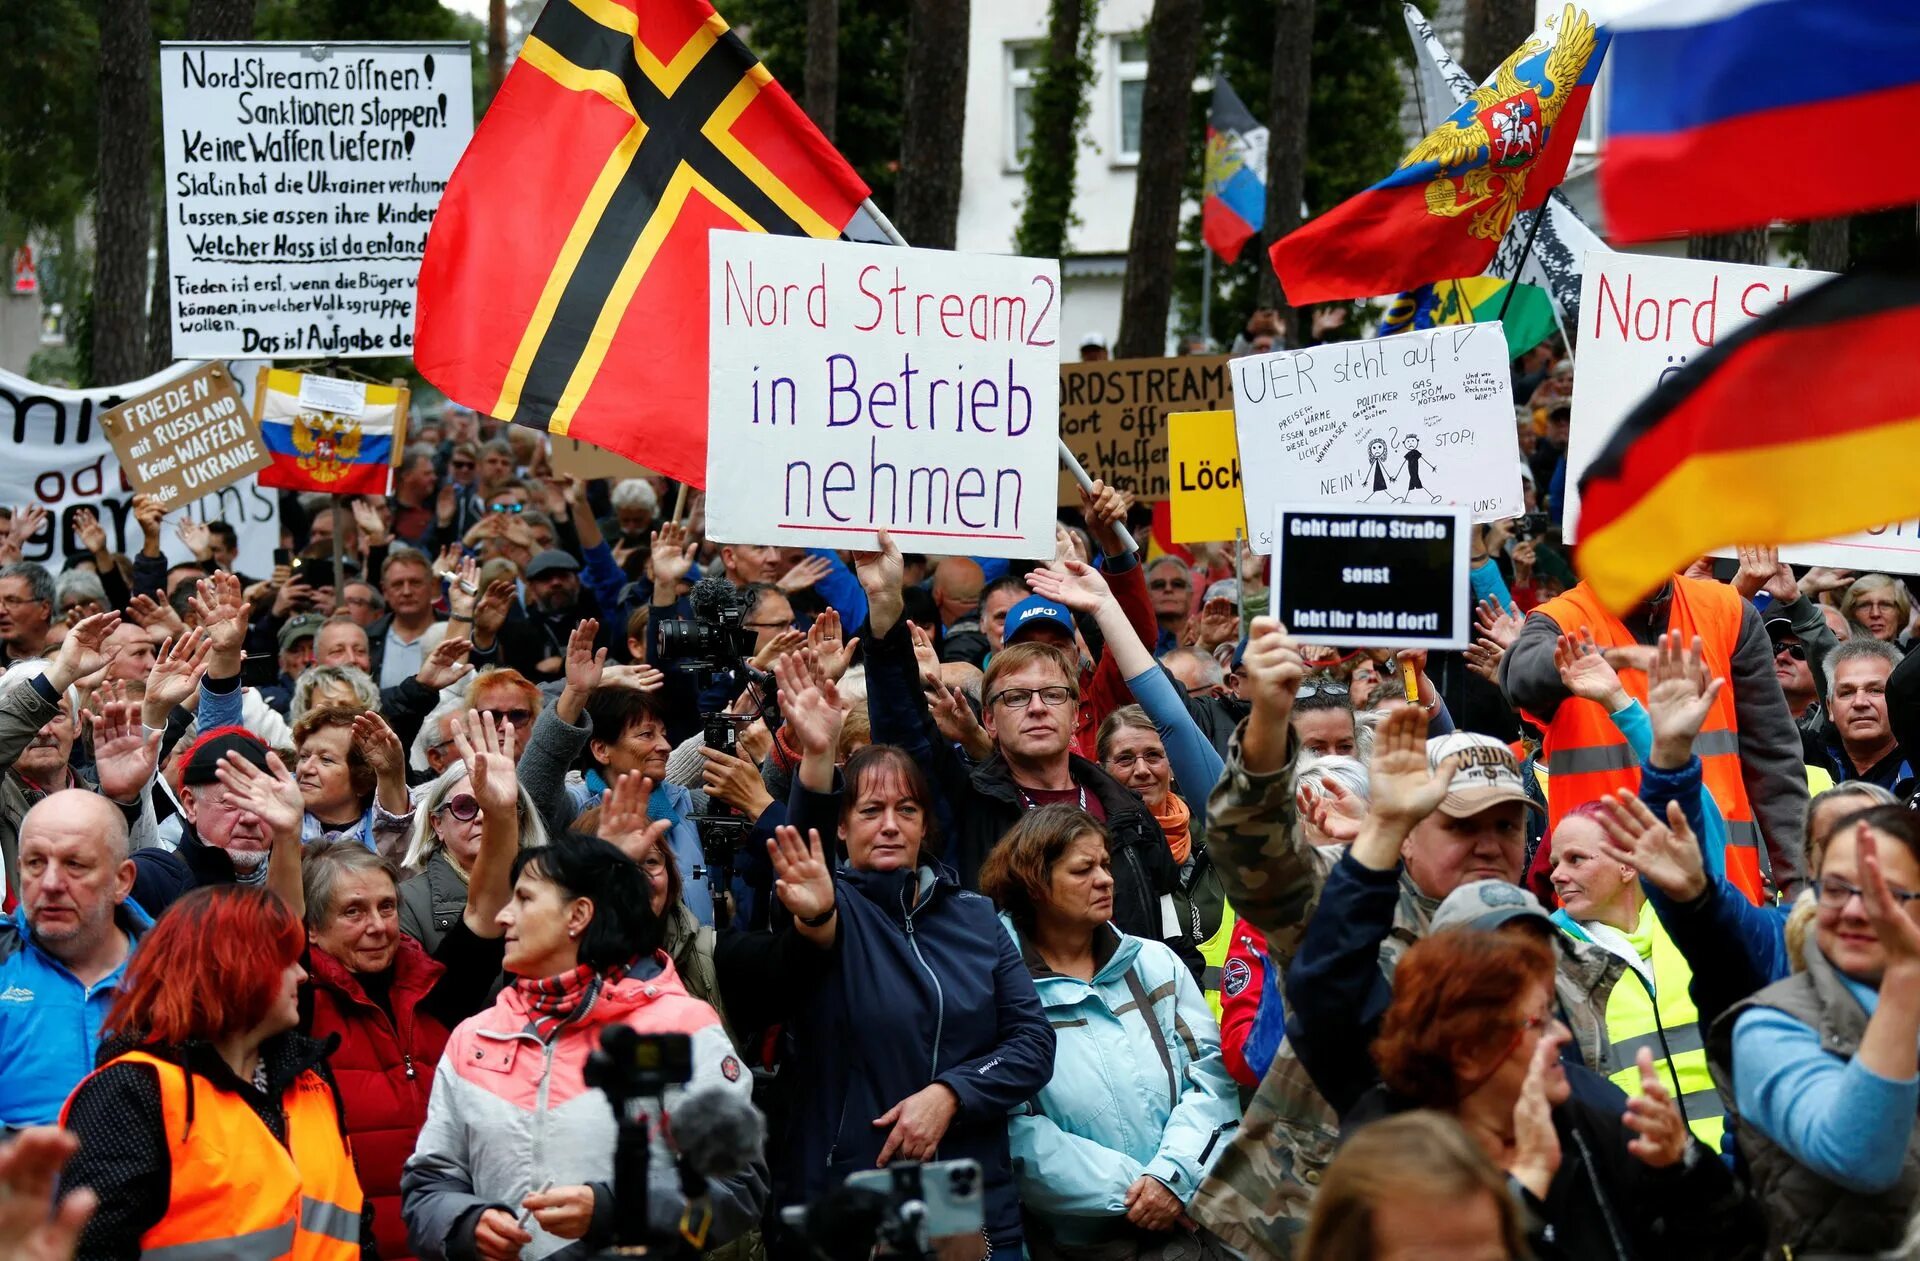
(1351, 773)
(635, 492)
(1877, 582)
(421, 841)
(1854, 649)
(81, 584)
(321, 865)
(1870, 794)
(39, 581)
(453, 700)
(416, 452)
(1211, 674)
(365, 690)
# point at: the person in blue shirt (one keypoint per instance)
(64, 950)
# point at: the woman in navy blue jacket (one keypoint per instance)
(926, 1028)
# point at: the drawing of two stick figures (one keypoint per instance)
(1380, 481)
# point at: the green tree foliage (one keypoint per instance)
(872, 74)
(1060, 106)
(48, 56)
(1354, 136)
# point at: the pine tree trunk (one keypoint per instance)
(206, 19)
(1829, 244)
(1053, 153)
(1494, 28)
(123, 214)
(933, 119)
(1289, 96)
(496, 46)
(1173, 54)
(823, 63)
(1731, 247)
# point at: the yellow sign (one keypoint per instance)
(1205, 499)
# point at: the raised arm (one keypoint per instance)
(487, 750)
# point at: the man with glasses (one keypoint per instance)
(26, 611)
(364, 603)
(1170, 587)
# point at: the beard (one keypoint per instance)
(247, 861)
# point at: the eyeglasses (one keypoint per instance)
(19, 601)
(1877, 606)
(1169, 584)
(516, 509)
(460, 464)
(518, 717)
(1797, 651)
(1021, 697)
(462, 807)
(360, 601)
(1534, 1024)
(1152, 757)
(1834, 893)
(787, 625)
(1322, 689)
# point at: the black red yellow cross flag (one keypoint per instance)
(1803, 425)
(565, 279)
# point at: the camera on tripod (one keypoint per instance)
(714, 638)
(908, 1209)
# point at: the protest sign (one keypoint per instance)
(858, 387)
(1642, 318)
(574, 458)
(1113, 417)
(301, 181)
(1421, 418)
(59, 457)
(188, 438)
(1206, 502)
(1359, 576)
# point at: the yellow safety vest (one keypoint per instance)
(1213, 953)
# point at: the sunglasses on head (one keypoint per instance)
(1321, 689)
(462, 806)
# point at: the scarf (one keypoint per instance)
(1175, 819)
(555, 1000)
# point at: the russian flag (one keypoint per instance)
(325, 434)
(1730, 114)
(1234, 205)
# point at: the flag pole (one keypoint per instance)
(1206, 293)
(1521, 266)
(1067, 458)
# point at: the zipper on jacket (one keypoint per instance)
(939, 992)
(407, 1061)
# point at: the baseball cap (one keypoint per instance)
(551, 560)
(1093, 339)
(300, 626)
(1488, 774)
(1779, 628)
(212, 749)
(1487, 904)
(1034, 611)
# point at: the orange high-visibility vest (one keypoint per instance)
(236, 1194)
(1585, 753)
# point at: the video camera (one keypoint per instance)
(905, 1210)
(714, 638)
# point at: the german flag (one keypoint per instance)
(565, 279)
(1804, 425)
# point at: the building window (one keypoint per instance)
(1130, 85)
(1593, 121)
(1023, 68)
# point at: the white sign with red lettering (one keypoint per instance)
(1642, 319)
(857, 388)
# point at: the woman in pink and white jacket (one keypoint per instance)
(516, 1158)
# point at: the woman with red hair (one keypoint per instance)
(213, 1125)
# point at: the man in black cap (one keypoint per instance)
(223, 841)
(556, 603)
(296, 654)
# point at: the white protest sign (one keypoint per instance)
(1421, 418)
(1642, 318)
(301, 181)
(863, 387)
(58, 457)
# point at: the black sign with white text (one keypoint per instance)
(1362, 577)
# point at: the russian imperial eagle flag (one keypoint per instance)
(565, 279)
(328, 435)
(1443, 212)
(1234, 203)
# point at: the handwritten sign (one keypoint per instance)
(1642, 318)
(1388, 576)
(188, 438)
(1206, 503)
(1423, 418)
(1113, 416)
(574, 458)
(854, 388)
(301, 181)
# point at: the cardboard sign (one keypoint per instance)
(854, 388)
(1642, 318)
(61, 459)
(1113, 416)
(188, 438)
(301, 181)
(1360, 576)
(574, 458)
(1206, 504)
(1424, 418)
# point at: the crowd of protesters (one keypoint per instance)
(1595, 940)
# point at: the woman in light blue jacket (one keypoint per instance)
(1111, 1151)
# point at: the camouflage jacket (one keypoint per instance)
(1260, 1193)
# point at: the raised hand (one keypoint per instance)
(584, 664)
(25, 523)
(1585, 673)
(957, 721)
(1333, 808)
(754, 741)
(1757, 568)
(490, 614)
(812, 705)
(1402, 788)
(1484, 656)
(1272, 667)
(32, 1226)
(447, 563)
(1820, 581)
(779, 646)
(83, 654)
(1536, 1144)
(881, 573)
(829, 644)
(446, 665)
(486, 747)
(195, 537)
(805, 572)
(92, 535)
(272, 796)
(124, 754)
(146, 613)
(924, 654)
(1496, 623)
(1680, 694)
(641, 678)
(149, 512)
(1218, 623)
(1662, 1135)
(446, 504)
(736, 781)
(1899, 935)
(1073, 583)
(1667, 855)
(623, 817)
(1105, 507)
(380, 746)
(802, 880)
(177, 670)
(373, 527)
(221, 609)
(673, 550)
